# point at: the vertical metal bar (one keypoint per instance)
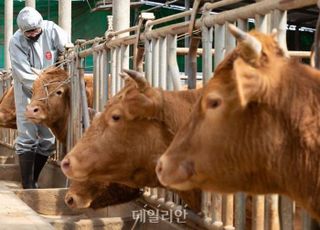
(118, 69)
(163, 63)
(240, 211)
(84, 101)
(242, 24)
(169, 198)
(272, 217)
(104, 79)
(187, 41)
(99, 80)
(286, 210)
(70, 136)
(124, 60)
(95, 80)
(258, 212)
(206, 207)
(101, 76)
(262, 23)
(207, 39)
(216, 210)
(219, 41)
(228, 212)
(148, 60)
(173, 68)
(113, 71)
(280, 23)
(155, 62)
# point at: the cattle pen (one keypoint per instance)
(151, 46)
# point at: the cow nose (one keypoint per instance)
(69, 200)
(159, 167)
(33, 109)
(65, 164)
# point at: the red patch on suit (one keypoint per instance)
(48, 55)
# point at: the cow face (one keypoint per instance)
(222, 146)
(50, 98)
(90, 194)
(124, 142)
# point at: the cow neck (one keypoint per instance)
(300, 106)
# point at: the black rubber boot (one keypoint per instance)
(39, 162)
(26, 162)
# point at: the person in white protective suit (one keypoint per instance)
(37, 43)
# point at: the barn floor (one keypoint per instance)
(45, 209)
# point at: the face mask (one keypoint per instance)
(35, 38)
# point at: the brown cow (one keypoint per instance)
(8, 110)
(50, 106)
(50, 101)
(123, 144)
(255, 129)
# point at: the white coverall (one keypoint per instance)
(25, 54)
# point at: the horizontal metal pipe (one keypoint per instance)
(133, 28)
(169, 18)
(251, 10)
(92, 41)
(303, 54)
(180, 51)
(185, 51)
(211, 6)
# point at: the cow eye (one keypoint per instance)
(213, 103)
(116, 117)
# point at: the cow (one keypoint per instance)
(8, 110)
(123, 143)
(50, 104)
(91, 194)
(255, 128)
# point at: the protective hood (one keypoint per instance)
(29, 19)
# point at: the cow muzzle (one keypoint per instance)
(34, 113)
(172, 176)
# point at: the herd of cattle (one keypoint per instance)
(254, 127)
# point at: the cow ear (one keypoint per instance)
(249, 82)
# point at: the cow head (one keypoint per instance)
(50, 99)
(222, 146)
(91, 194)
(124, 142)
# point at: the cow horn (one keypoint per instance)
(36, 71)
(250, 41)
(138, 77)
